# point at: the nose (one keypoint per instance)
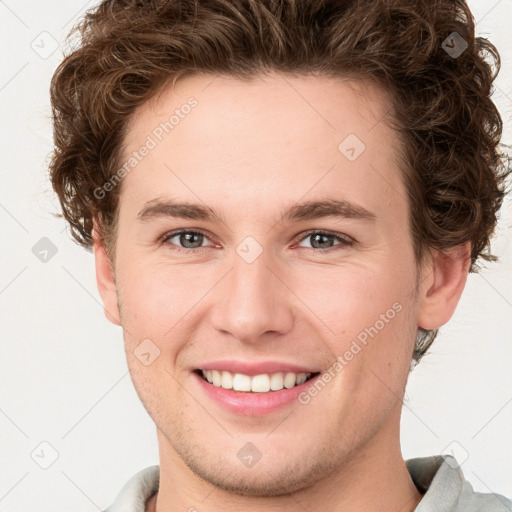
(253, 300)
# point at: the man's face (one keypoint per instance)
(251, 288)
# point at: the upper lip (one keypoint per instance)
(251, 369)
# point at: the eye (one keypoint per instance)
(192, 240)
(322, 238)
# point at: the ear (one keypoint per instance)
(105, 277)
(442, 282)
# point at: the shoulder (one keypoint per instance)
(445, 489)
(137, 490)
(471, 501)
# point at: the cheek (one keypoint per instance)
(365, 314)
(350, 298)
(153, 299)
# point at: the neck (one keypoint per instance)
(371, 478)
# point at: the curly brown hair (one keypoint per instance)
(450, 129)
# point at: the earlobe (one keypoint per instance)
(105, 278)
(442, 285)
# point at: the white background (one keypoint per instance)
(64, 379)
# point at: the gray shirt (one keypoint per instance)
(439, 478)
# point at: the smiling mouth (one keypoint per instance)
(264, 383)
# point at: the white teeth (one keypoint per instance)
(227, 380)
(301, 378)
(276, 382)
(258, 383)
(241, 382)
(217, 377)
(289, 380)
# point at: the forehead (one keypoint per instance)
(274, 137)
(275, 100)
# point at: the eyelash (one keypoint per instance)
(344, 240)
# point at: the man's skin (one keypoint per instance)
(250, 149)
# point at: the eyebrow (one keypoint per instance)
(158, 208)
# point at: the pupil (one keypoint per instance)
(185, 237)
(319, 235)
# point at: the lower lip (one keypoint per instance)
(253, 404)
